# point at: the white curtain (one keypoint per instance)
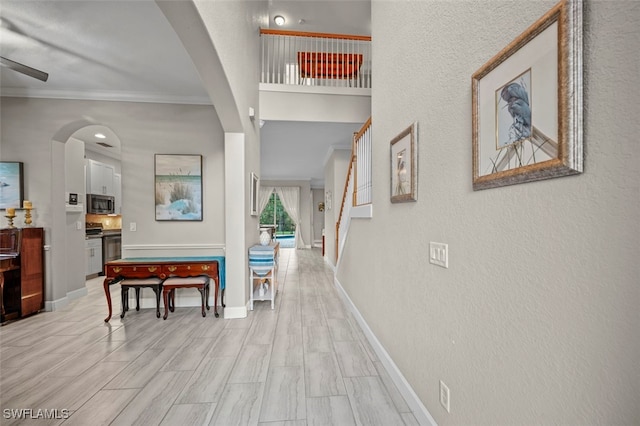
(263, 197)
(290, 197)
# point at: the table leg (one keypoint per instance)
(108, 296)
(215, 305)
(2, 296)
(165, 297)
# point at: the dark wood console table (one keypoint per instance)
(163, 267)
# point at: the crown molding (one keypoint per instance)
(157, 98)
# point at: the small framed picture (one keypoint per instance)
(404, 165)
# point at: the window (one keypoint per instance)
(274, 214)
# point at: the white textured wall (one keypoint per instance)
(151, 129)
(19, 135)
(536, 321)
(312, 106)
(75, 238)
(233, 27)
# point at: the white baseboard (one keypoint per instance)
(54, 305)
(235, 313)
(76, 294)
(420, 412)
(331, 265)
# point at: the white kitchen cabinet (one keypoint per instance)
(100, 178)
(93, 250)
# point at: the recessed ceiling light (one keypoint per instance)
(100, 136)
(279, 20)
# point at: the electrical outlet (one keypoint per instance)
(132, 227)
(439, 254)
(444, 396)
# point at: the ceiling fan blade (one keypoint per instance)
(21, 68)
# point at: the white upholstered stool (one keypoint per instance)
(169, 286)
(153, 283)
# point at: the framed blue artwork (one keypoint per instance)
(527, 104)
(178, 187)
(11, 184)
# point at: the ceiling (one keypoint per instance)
(127, 51)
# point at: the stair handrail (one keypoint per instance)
(350, 189)
(357, 139)
(312, 34)
(344, 206)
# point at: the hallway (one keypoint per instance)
(305, 363)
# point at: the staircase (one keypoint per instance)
(357, 195)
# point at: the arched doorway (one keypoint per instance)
(65, 275)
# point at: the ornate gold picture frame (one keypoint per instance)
(404, 165)
(527, 104)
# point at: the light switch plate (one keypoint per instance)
(439, 254)
(445, 397)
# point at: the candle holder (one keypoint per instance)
(10, 220)
(27, 216)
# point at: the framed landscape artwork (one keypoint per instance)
(527, 104)
(178, 187)
(11, 184)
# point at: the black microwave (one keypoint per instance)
(100, 204)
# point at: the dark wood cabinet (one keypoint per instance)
(23, 277)
(31, 271)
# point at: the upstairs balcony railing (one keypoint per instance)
(315, 59)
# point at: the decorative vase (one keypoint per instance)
(265, 238)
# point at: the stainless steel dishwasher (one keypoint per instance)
(111, 246)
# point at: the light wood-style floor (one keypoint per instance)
(306, 362)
